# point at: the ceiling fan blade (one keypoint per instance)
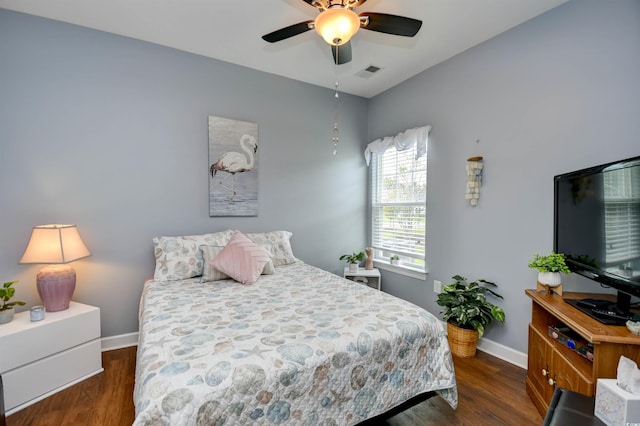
(391, 24)
(286, 32)
(342, 53)
(315, 3)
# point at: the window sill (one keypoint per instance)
(402, 270)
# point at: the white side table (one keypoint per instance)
(370, 277)
(41, 358)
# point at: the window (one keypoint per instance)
(622, 216)
(398, 206)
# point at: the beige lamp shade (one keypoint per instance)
(337, 25)
(54, 244)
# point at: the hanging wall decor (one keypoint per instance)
(474, 180)
(233, 167)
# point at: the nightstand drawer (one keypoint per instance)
(23, 341)
(36, 380)
(40, 358)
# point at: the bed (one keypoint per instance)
(298, 346)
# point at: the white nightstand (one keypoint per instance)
(41, 358)
(370, 277)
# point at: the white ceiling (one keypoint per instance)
(231, 30)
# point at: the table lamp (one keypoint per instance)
(55, 245)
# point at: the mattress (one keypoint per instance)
(300, 347)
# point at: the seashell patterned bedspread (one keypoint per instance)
(300, 347)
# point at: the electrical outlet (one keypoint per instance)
(437, 286)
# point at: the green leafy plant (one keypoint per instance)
(466, 304)
(6, 293)
(354, 257)
(395, 257)
(551, 263)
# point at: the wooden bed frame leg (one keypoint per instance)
(373, 421)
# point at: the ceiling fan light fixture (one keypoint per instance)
(337, 25)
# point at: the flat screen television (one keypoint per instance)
(597, 228)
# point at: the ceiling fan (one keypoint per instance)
(337, 23)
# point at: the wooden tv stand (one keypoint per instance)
(552, 364)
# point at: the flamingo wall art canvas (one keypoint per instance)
(233, 167)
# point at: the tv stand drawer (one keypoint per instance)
(550, 364)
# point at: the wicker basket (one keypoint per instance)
(462, 342)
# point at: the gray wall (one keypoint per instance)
(558, 93)
(110, 133)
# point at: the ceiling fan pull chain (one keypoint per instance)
(336, 131)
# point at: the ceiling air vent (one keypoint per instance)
(368, 71)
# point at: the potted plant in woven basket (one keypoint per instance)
(467, 311)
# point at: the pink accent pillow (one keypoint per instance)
(241, 259)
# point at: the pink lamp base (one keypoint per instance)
(56, 284)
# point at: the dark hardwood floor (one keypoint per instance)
(491, 392)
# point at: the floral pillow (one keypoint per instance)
(278, 244)
(178, 258)
(241, 259)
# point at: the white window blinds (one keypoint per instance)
(398, 202)
(622, 215)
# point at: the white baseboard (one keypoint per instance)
(498, 350)
(505, 353)
(120, 341)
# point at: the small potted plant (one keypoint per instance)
(395, 259)
(549, 268)
(467, 311)
(354, 260)
(6, 308)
